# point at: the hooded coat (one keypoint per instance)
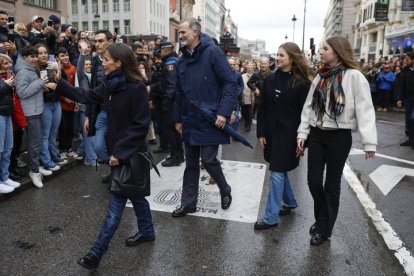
(29, 88)
(204, 77)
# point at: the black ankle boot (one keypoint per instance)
(89, 261)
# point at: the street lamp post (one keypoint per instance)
(303, 35)
(294, 20)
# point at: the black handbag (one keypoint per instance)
(131, 178)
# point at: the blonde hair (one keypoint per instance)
(19, 25)
(2, 58)
(341, 46)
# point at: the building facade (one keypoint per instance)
(24, 10)
(126, 17)
(339, 19)
(368, 31)
(211, 14)
(179, 9)
(399, 31)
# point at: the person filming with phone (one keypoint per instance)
(7, 35)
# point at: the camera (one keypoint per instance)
(50, 22)
(10, 24)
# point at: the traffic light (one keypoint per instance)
(311, 43)
(312, 49)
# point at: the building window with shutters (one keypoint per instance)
(127, 27)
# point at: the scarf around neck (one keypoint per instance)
(330, 83)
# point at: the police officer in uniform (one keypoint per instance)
(167, 88)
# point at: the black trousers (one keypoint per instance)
(330, 149)
(17, 144)
(65, 136)
(409, 120)
(172, 137)
(191, 178)
(159, 123)
(384, 98)
(247, 114)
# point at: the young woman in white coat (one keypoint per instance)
(339, 100)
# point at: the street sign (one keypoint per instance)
(246, 181)
(386, 177)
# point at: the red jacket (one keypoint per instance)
(70, 71)
(18, 118)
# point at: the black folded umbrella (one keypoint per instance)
(211, 117)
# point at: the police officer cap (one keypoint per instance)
(164, 45)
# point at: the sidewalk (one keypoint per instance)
(26, 182)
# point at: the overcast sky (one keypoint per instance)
(271, 20)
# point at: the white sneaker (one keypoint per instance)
(63, 155)
(4, 189)
(62, 162)
(54, 168)
(36, 179)
(11, 183)
(74, 155)
(44, 172)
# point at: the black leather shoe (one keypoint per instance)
(312, 229)
(89, 261)
(406, 143)
(161, 150)
(152, 142)
(226, 201)
(182, 211)
(106, 178)
(317, 239)
(285, 210)
(138, 238)
(261, 225)
(171, 162)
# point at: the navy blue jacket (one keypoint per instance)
(206, 78)
(128, 112)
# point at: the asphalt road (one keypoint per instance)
(45, 231)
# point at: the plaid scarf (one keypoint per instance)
(331, 79)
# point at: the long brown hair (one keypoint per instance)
(300, 68)
(341, 46)
(123, 53)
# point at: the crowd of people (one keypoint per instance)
(57, 86)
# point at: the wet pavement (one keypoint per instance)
(45, 231)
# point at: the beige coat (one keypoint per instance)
(248, 94)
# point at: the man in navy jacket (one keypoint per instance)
(204, 77)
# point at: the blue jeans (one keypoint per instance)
(101, 126)
(235, 125)
(6, 146)
(115, 209)
(52, 113)
(279, 189)
(86, 147)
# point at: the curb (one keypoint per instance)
(26, 182)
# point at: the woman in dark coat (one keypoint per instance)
(278, 119)
(125, 95)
